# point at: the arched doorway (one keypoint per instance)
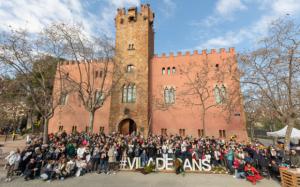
(127, 126)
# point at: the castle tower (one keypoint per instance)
(134, 49)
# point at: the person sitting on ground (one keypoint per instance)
(81, 167)
(238, 168)
(178, 166)
(252, 174)
(274, 170)
(48, 172)
(71, 167)
(60, 171)
(30, 169)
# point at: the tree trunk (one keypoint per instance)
(252, 130)
(91, 121)
(272, 130)
(203, 123)
(149, 124)
(45, 132)
(288, 134)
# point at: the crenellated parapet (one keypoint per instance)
(221, 51)
(73, 62)
(133, 15)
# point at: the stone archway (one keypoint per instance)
(127, 126)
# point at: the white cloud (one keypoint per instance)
(167, 8)
(228, 7)
(272, 10)
(286, 6)
(224, 10)
(108, 13)
(124, 3)
(230, 39)
(33, 15)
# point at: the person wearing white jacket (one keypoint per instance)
(13, 160)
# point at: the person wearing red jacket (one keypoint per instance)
(252, 174)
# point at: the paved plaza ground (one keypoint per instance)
(134, 179)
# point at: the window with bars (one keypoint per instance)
(101, 130)
(200, 132)
(222, 133)
(60, 128)
(98, 74)
(182, 132)
(129, 93)
(163, 131)
(74, 129)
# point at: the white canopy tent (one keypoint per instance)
(281, 133)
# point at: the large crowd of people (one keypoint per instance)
(73, 155)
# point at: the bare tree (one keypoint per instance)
(22, 56)
(12, 102)
(271, 73)
(90, 54)
(199, 88)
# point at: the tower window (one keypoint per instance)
(131, 47)
(130, 68)
(131, 18)
(163, 71)
(129, 93)
(169, 70)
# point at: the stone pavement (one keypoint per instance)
(134, 179)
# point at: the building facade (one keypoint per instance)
(192, 93)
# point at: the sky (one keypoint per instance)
(180, 25)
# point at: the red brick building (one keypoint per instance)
(188, 93)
